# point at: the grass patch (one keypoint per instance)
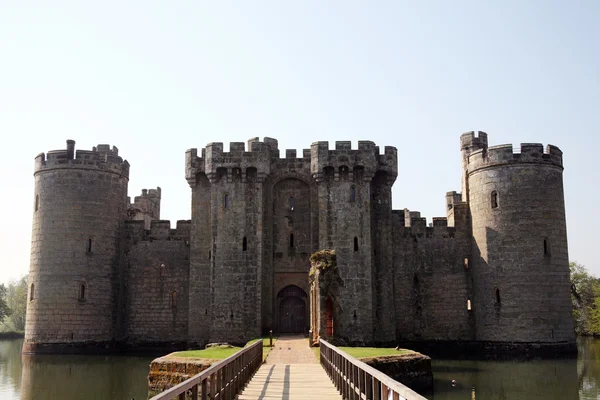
(220, 353)
(362, 352)
(217, 353)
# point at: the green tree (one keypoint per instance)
(4, 309)
(16, 299)
(585, 294)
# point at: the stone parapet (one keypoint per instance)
(506, 155)
(367, 158)
(101, 158)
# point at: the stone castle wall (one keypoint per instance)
(156, 283)
(482, 273)
(432, 279)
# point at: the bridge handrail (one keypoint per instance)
(356, 380)
(223, 380)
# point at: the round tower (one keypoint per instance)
(520, 266)
(79, 210)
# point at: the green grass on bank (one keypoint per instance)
(217, 353)
(362, 352)
(220, 353)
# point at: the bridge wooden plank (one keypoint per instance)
(295, 381)
(291, 372)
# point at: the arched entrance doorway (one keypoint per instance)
(292, 309)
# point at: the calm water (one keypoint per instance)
(70, 377)
(124, 377)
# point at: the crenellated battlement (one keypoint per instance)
(101, 158)
(159, 230)
(506, 154)
(437, 229)
(367, 157)
(410, 224)
(261, 157)
(218, 164)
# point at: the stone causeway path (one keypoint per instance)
(290, 372)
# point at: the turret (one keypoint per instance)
(145, 207)
(468, 144)
(356, 184)
(79, 209)
(520, 261)
(226, 238)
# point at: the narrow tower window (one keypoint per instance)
(494, 199)
(497, 296)
(353, 194)
(31, 292)
(174, 299)
(355, 243)
(209, 255)
(37, 202)
(468, 304)
(244, 244)
(89, 245)
(81, 292)
(291, 203)
(291, 240)
(546, 247)
(226, 201)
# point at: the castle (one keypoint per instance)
(107, 273)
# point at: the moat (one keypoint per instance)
(124, 377)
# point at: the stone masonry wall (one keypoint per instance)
(349, 233)
(383, 267)
(235, 285)
(292, 238)
(157, 282)
(201, 262)
(522, 290)
(431, 280)
(283, 265)
(79, 209)
(494, 271)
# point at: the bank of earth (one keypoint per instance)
(174, 368)
(408, 367)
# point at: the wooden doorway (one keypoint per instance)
(292, 310)
(329, 316)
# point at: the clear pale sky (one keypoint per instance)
(156, 78)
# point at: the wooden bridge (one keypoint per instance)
(290, 372)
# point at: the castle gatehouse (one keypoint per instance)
(107, 272)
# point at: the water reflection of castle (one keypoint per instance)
(100, 377)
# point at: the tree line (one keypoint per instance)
(585, 295)
(13, 304)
